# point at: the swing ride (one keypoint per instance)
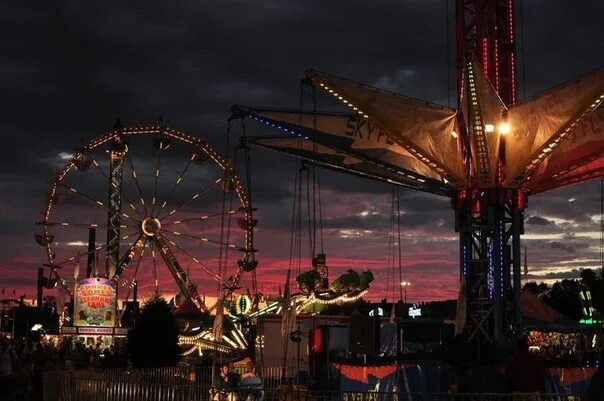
(488, 154)
(155, 194)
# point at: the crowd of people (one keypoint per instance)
(22, 365)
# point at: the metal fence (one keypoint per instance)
(176, 385)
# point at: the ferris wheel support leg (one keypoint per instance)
(125, 260)
(180, 276)
(117, 156)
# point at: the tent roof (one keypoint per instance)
(537, 313)
(187, 310)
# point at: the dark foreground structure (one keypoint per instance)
(183, 384)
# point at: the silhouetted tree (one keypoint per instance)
(536, 288)
(588, 277)
(153, 342)
(564, 297)
(595, 285)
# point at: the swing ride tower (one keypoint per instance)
(488, 155)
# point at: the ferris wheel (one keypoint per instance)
(139, 199)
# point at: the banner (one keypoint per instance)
(95, 303)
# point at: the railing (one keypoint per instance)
(141, 386)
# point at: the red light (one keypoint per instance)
(317, 340)
(476, 207)
(521, 200)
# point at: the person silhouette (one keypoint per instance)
(595, 389)
(525, 371)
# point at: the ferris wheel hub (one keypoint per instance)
(151, 226)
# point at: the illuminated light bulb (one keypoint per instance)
(454, 134)
(489, 127)
(504, 128)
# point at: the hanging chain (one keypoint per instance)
(602, 223)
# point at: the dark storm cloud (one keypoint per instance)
(69, 69)
(560, 245)
(570, 274)
(538, 221)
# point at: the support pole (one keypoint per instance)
(518, 204)
(40, 288)
(117, 155)
(90, 263)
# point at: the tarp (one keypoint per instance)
(188, 310)
(577, 159)
(540, 122)
(420, 127)
(433, 377)
(330, 158)
(538, 314)
(346, 141)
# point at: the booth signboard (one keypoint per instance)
(95, 303)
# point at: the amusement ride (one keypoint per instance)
(488, 155)
(164, 213)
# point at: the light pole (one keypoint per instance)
(405, 284)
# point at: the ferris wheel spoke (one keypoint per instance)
(176, 183)
(203, 240)
(80, 255)
(136, 183)
(133, 281)
(155, 282)
(92, 200)
(193, 198)
(206, 269)
(180, 276)
(106, 176)
(203, 217)
(159, 150)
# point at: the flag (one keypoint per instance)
(460, 313)
(217, 327)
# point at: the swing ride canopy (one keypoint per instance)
(552, 140)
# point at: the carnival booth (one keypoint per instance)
(95, 314)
